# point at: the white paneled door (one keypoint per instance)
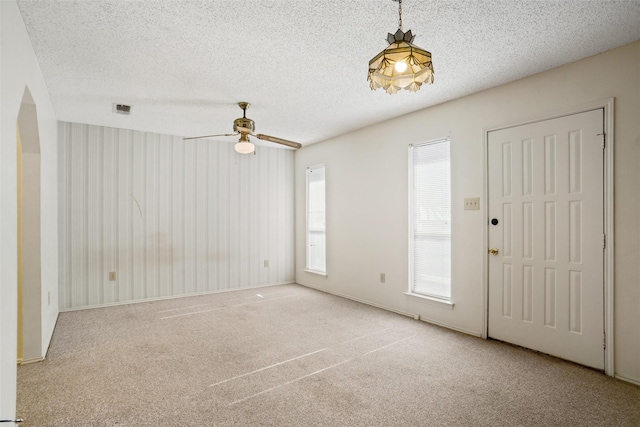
(546, 237)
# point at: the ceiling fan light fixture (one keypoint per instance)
(244, 127)
(402, 65)
(244, 146)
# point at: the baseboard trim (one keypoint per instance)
(628, 380)
(33, 360)
(453, 328)
(412, 315)
(194, 294)
(373, 304)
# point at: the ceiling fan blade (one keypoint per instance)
(210, 136)
(277, 140)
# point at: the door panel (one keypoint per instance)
(546, 281)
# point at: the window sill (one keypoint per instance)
(319, 273)
(433, 301)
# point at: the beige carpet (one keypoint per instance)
(292, 356)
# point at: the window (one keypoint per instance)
(430, 220)
(316, 233)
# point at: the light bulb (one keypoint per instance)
(401, 66)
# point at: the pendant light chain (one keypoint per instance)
(400, 14)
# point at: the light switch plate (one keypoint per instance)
(472, 204)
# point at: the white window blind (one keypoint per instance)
(430, 221)
(316, 233)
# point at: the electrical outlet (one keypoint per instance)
(112, 276)
(472, 204)
(383, 277)
(266, 263)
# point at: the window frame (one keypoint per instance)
(439, 299)
(308, 268)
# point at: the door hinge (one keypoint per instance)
(604, 137)
(604, 340)
(604, 241)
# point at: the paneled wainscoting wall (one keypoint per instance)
(168, 217)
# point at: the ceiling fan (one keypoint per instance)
(244, 127)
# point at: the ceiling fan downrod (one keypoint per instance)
(244, 124)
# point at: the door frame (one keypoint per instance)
(608, 120)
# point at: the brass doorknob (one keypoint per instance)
(493, 251)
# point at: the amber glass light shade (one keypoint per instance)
(383, 72)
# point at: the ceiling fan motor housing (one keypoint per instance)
(244, 125)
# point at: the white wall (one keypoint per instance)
(31, 258)
(170, 217)
(367, 197)
(18, 70)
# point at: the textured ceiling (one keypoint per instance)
(302, 64)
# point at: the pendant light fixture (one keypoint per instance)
(402, 65)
